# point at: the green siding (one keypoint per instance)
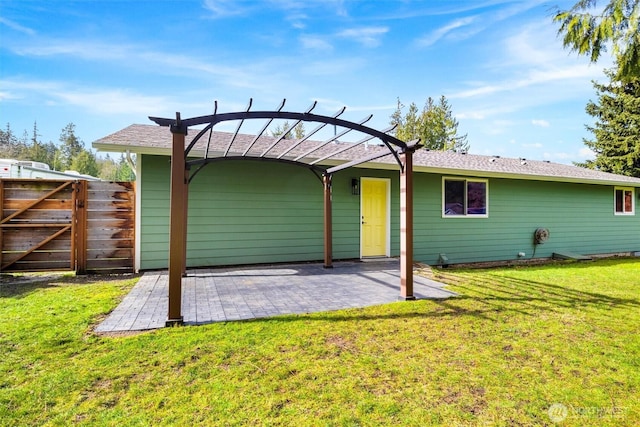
(244, 212)
(579, 217)
(239, 213)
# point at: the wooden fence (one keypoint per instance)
(77, 225)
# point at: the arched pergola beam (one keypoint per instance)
(212, 120)
(310, 134)
(333, 138)
(286, 131)
(235, 134)
(350, 146)
(266, 125)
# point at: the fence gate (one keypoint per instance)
(82, 226)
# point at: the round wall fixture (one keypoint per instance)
(541, 235)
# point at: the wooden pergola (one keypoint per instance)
(297, 153)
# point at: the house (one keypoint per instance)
(467, 208)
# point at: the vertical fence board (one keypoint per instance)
(110, 218)
(33, 214)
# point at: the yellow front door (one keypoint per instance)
(374, 216)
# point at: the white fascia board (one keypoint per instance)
(527, 177)
(117, 148)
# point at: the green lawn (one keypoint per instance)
(516, 342)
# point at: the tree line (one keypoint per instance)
(70, 154)
(435, 126)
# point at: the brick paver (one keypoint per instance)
(226, 294)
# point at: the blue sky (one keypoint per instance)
(106, 64)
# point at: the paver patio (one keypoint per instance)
(226, 294)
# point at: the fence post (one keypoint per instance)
(81, 224)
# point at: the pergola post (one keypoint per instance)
(177, 235)
(185, 221)
(406, 226)
(328, 231)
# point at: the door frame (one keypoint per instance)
(388, 214)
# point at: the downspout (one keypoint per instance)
(131, 163)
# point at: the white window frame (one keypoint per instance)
(465, 180)
(633, 200)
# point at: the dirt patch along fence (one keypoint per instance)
(76, 225)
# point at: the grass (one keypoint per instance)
(516, 342)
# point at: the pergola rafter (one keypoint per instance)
(181, 176)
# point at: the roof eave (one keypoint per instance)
(118, 148)
(164, 151)
(528, 177)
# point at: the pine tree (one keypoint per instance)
(124, 173)
(85, 163)
(298, 132)
(70, 147)
(617, 126)
(8, 142)
(435, 126)
(589, 31)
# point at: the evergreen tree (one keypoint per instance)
(108, 169)
(435, 126)
(70, 147)
(124, 171)
(616, 25)
(85, 163)
(617, 126)
(299, 131)
(37, 151)
(282, 130)
(8, 142)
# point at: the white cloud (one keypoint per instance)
(561, 157)
(159, 61)
(473, 115)
(7, 95)
(528, 68)
(441, 32)
(332, 68)
(17, 27)
(533, 78)
(315, 43)
(86, 50)
(532, 145)
(367, 36)
(96, 100)
(224, 8)
(587, 153)
(297, 20)
(111, 101)
(541, 123)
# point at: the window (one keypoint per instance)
(464, 197)
(624, 201)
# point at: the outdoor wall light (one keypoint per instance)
(355, 186)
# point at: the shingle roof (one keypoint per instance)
(152, 139)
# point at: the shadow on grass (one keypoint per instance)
(20, 286)
(529, 296)
(484, 295)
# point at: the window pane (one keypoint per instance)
(476, 198)
(454, 197)
(619, 201)
(628, 201)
